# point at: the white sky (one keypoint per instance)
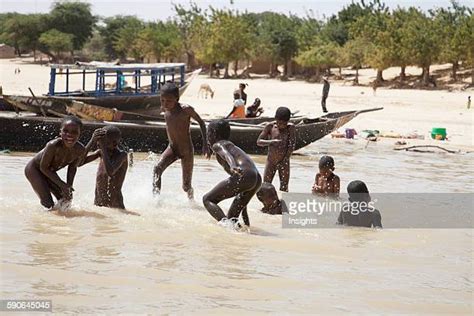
(162, 9)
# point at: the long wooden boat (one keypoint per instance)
(23, 133)
(142, 94)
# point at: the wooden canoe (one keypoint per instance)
(32, 133)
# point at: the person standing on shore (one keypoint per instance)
(241, 92)
(326, 86)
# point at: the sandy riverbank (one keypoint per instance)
(405, 111)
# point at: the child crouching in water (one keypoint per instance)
(361, 213)
(60, 152)
(112, 167)
(326, 182)
(271, 203)
(243, 182)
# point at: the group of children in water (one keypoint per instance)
(244, 179)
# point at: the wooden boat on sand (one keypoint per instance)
(28, 133)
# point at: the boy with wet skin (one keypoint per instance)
(326, 183)
(64, 151)
(280, 137)
(178, 120)
(244, 180)
(112, 166)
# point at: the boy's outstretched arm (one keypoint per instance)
(91, 157)
(111, 165)
(98, 133)
(263, 140)
(193, 114)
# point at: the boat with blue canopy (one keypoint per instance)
(127, 87)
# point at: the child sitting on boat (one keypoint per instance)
(112, 167)
(178, 120)
(361, 212)
(255, 110)
(280, 137)
(271, 203)
(64, 151)
(238, 109)
(243, 182)
(326, 183)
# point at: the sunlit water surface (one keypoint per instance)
(174, 258)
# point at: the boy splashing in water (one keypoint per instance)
(280, 137)
(64, 151)
(244, 180)
(326, 182)
(178, 120)
(112, 167)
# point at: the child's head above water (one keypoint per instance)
(358, 191)
(218, 130)
(257, 102)
(326, 163)
(70, 130)
(169, 95)
(267, 194)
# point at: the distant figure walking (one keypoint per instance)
(326, 87)
(375, 86)
(468, 101)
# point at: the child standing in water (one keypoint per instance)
(326, 182)
(64, 151)
(280, 137)
(112, 167)
(361, 213)
(244, 180)
(178, 120)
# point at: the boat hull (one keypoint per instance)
(32, 133)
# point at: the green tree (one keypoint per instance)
(228, 39)
(355, 52)
(373, 28)
(401, 55)
(74, 18)
(22, 31)
(191, 24)
(110, 31)
(322, 55)
(421, 39)
(57, 42)
(449, 25)
(277, 39)
(160, 40)
(337, 28)
(125, 40)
